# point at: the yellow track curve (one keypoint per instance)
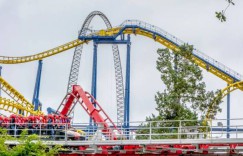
(172, 46)
(227, 90)
(13, 107)
(39, 56)
(19, 102)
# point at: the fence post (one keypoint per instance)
(211, 128)
(113, 135)
(66, 133)
(179, 133)
(40, 132)
(206, 135)
(236, 132)
(150, 131)
(15, 130)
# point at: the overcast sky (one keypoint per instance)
(29, 27)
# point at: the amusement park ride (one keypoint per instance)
(102, 136)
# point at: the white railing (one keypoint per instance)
(147, 131)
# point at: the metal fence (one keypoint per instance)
(146, 130)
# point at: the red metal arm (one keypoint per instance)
(87, 101)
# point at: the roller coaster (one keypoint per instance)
(115, 35)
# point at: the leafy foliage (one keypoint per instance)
(29, 145)
(221, 14)
(185, 96)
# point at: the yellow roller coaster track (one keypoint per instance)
(112, 32)
(172, 46)
(19, 103)
(42, 55)
(13, 107)
(230, 88)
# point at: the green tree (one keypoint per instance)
(185, 96)
(28, 145)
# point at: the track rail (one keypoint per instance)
(14, 107)
(224, 92)
(173, 42)
(144, 29)
(42, 55)
(14, 94)
(19, 103)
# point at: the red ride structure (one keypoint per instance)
(114, 145)
(15, 123)
(91, 106)
(120, 147)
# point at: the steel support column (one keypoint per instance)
(35, 100)
(228, 115)
(94, 71)
(119, 79)
(94, 75)
(127, 87)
